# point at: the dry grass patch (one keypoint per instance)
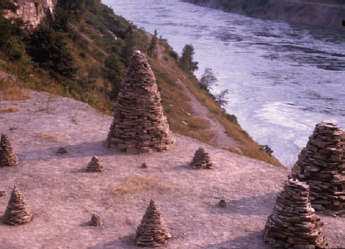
(49, 136)
(14, 93)
(135, 184)
(197, 123)
(9, 109)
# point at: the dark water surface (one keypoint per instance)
(282, 79)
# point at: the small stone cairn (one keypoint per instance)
(7, 156)
(17, 212)
(139, 124)
(201, 160)
(294, 223)
(152, 232)
(96, 220)
(322, 165)
(95, 165)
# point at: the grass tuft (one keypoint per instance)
(49, 136)
(9, 109)
(137, 184)
(13, 93)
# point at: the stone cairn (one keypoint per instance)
(7, 156)
(294, 223)
(139, 124)
(322, 165)
(152, 232)
(96, 220)
(95, 165)
(17, 212)
(201, 160)
(144, 166)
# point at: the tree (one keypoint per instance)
(207, 80)
(114, 72)
(151, 51)
(221, 98)
(186, 62)
(49, 49)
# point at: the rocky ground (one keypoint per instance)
(63, 197)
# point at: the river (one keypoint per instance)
(282, 78)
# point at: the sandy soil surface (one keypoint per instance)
(62, 196)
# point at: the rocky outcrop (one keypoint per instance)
(322, 165)
(294, 223)
(139, 124)
(32, 12)
(152, 232)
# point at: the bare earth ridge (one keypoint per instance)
(62, 196)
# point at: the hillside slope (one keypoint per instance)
(83, 54)
(62, 196)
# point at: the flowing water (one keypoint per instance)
(282, 78)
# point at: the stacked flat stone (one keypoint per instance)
(294, 223)
(139, 124)
(201, 160)
(17, 212)
(152, 232)
(96, 220)
(95, 165)
(7, 156)
(321, 164)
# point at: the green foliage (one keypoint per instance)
(231, 117)
(151, 51)
(221, 98)
(128, 49)
(207, 80)
(114, 72)
(173, 54)
(15, 50)
(73, 7)
(186, 62)
(49, 49)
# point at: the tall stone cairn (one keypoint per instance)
(7, 156)
(201, 160)
(322, 165)
(139, 124)
(95, 165)
(17, 212)
(294, 223)
(152, 232)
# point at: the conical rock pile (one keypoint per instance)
(96, 220)
(7, 156)
(95, 165)
(201, 160)
(152, 231)
(321, 164)
(17, 212)
(139, 124)
(294, 223)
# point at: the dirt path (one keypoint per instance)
(220, 139)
